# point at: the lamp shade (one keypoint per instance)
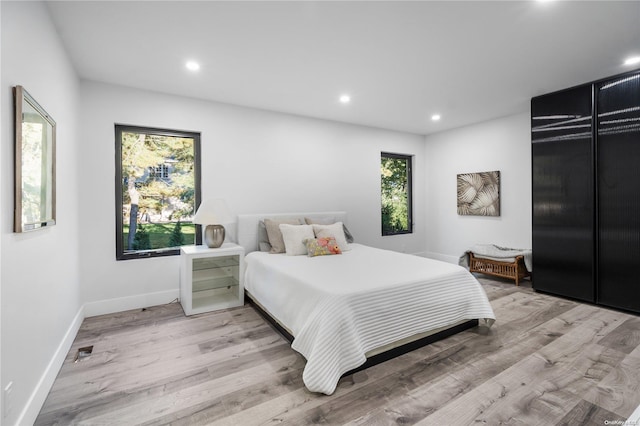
(213, 211)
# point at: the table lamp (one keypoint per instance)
(213, 212)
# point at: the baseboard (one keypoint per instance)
(119, 304)
(36, 400)
(443, 257)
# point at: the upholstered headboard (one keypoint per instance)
(248, 225)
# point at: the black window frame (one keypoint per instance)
(409, 160)
(123, 128)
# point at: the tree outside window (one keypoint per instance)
(395, 178)
(157, 191)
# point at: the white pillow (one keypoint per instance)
(294, 237)
(334, 230)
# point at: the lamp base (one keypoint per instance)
(214, 236)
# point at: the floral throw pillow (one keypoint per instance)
(322, 246)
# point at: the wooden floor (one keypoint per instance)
(546, 361)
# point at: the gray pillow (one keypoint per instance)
(263, 238)
(275, 235)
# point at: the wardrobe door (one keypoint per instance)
(618, 154)
(563, 187)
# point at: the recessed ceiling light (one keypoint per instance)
(435, 117)
(192, 65)
(345, 99)
(632, 60)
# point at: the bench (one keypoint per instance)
(515, 270)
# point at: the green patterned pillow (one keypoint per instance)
(322, 246)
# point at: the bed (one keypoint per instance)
(341, 310)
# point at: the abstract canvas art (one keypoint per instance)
(479, 194)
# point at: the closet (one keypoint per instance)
(586, 192)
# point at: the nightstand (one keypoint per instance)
(211, 278)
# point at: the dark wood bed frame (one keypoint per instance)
(381, 357)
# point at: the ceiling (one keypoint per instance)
(401, 62)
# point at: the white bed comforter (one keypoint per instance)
(339, 307)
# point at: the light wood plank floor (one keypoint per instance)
(546, 361)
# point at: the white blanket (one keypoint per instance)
(340, 307)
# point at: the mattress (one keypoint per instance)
(340, 307)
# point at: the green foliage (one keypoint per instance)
(141, 152)
(34, 171)
(394, 195)
(160, 233)
(158, 198)
(141, 240)
(177, 238)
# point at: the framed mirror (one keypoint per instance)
(35, 165)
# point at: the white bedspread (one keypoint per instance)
(339, 307)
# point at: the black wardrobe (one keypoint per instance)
(586, 192)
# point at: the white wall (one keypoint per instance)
(258, 161)
(39, 270)
(503, 144)
(2, 107)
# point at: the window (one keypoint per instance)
(160, 171)
(395, 178)
(157, 191)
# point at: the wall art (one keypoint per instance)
(479, 194)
